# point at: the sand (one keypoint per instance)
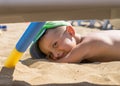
(28, 72)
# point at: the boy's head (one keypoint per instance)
(54, 41)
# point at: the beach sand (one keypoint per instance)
(28, 72)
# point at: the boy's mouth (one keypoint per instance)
(62, 56)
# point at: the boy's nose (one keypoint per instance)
(58, 54)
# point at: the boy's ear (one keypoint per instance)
(70, 30)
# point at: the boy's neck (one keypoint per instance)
(78, 38)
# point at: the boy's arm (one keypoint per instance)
(77, 54)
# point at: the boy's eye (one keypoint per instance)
(50, 56)
(55, 45)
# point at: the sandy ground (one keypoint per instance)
(30, 72)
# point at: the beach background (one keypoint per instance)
(30, 72)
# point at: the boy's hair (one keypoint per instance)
(35, 51)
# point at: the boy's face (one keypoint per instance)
(57, 43)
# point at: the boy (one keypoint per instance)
(60, 43)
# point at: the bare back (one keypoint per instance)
(103, 46)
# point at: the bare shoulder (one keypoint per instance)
(102, 39)
(104, 44)
(104, 35)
